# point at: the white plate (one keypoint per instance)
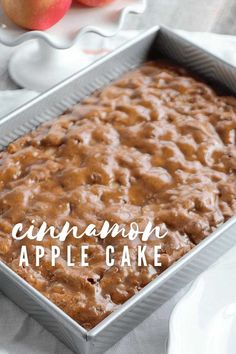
(106, 21)
(41, 65)
(204, 321)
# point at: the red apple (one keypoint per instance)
(94, 3)
(35, 14)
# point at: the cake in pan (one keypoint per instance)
(156, 146)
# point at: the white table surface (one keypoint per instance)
(20, 334)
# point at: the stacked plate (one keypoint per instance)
(204, 321)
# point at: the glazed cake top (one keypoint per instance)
(158, 145)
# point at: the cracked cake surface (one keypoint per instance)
(157, 145)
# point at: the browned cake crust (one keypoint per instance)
(157, 145)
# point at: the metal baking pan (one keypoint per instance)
(149, 45)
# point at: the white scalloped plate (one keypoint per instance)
(105, 21)
(204, 321)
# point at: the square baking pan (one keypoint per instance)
(152, 44)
